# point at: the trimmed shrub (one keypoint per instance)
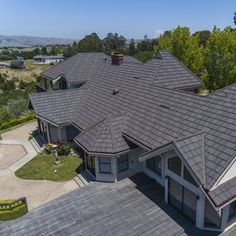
(15, 122)
(49, 148)
(63, 149)
(19, 209)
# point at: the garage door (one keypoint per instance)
(182, 199)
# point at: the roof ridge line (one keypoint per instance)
(93, 125)
(158, 69)
(181, 63)
(191, 135)
(111, 130)
(99, 131)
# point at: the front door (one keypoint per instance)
(182, 199)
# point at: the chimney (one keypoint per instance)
(117, 58)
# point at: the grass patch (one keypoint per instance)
(6, 213)
(42, 167)
(29, 73)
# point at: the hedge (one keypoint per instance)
(18, 121)
(19, 210)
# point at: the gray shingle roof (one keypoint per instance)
(192, 150)
(58, 107)
(155, 115)
(224, 193)
(164, 70)
(102, 209)
(105, 136)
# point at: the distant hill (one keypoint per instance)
(30, 41)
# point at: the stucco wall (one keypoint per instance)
(53, 133)
(134, 165)
(106, 177)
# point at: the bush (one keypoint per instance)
(8, 86)
(15, 79)
(22, 84)
(4, 115)
(63, 150)
(16, 107)
(18, 121)
(49, 148)
(17, 64)
(17, 211)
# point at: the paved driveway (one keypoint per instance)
(15, 151)
(130, 207)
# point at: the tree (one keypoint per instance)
(220, 58)
(8, 86)
(68, 51)
(235, 18)
(36, 51)
(145, 45)
(144, 56)
(44, 51)
(90, 43)
(132, 47)
(16, 107)
(17, 64)
(53, 51)
(185, 47)
(22, 84)
(203, 36)
(113, 42)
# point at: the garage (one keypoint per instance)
(182, 199)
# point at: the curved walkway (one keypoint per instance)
(15, 151)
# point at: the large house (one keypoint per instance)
(44, 59)
(132, 117)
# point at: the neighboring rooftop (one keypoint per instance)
(44, 57)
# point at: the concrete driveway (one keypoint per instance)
(15, 151)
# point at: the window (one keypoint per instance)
(188, 177)
(123, 163)
(90, 161)
(155, 165)
(174, 164)
(104, 165)
(232, 210)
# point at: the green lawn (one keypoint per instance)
(42, 167)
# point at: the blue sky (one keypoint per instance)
(132, 18)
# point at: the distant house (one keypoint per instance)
(20, 58)
(48, 59)
(132, 117)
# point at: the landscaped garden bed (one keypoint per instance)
(10, 210)
(46, 167)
